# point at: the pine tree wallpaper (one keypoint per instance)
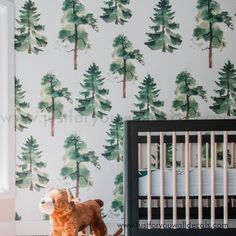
(85, 66)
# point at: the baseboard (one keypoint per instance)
(7, 228)
(32, 227)
(36, 228)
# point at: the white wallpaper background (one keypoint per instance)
(55, 59)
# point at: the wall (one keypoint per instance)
(56, 57)
(7, 201)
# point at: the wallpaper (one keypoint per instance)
(85, 66)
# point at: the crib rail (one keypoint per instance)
(193, 147)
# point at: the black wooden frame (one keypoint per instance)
(131, 140)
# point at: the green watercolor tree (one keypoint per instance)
(118, 202)
(163, 36)
(209, 19)
(225, 101)
(73, 32)
(93, 102)
(46, 217)
(114, 152)
(114, 147)
(148, 104)
(116, 11)
(123, 58)
(28, 35)
(75, 158)
(50, 102)
(185, 92)
(219, 155)
(18, 217)
(22, 118)
(30, 173)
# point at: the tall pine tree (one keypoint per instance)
(28, 35)
(185, 92)
(225, 102)
(123, 56)
(22, 118)
(73, 32)
(76, 155)
(163, 36)
(51, 94)
(29, 173)
(209, 18)
(148, 102)
(114, 147)
(93, 102)
(114, 151)
(118, 201)
(116, 11)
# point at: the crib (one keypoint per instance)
(180, 177)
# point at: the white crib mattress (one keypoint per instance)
(180, 179)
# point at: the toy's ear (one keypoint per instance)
(49, 190)
(70, 196)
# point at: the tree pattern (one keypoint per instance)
(225, 102)
(114, 147)
(209, 18)
(22, 118)
(28, 35)
(51, 94)
(163, 36)
(185, 92)
(148, 102)
(17, 217)
(29, 172)
(116, 11)
(76, 155)
(219, 155)
(118, 203)
(114, 151)
(93, 102)
(123, 56)
(73, 32)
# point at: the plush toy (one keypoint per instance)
(68, 217)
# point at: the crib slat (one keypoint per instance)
(174, 178)
(190, 156)
(165, 159)
(232, 155)
(161, 179)
(199, 154)
(215, 155)
(157, 161)
(212, 178)
(140, 164)
(225, 167)
(140, 156)
(234, 158)
(149, 179)
(207, 155)
(187, 203)
(181, 155)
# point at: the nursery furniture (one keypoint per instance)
(180, 177)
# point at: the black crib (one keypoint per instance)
(212, 145)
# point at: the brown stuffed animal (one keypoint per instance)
(68, 217)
